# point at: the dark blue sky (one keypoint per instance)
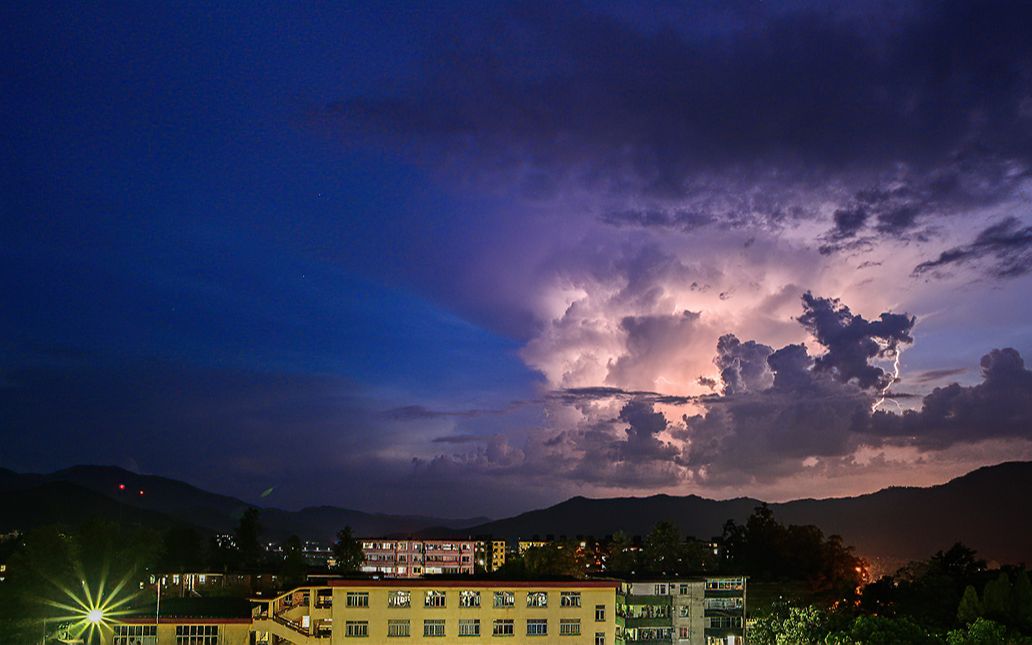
(388, 256)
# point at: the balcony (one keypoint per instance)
(633, 599)
(648, 621)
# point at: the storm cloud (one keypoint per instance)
(852, 341)
(692, 119)
(1005, 248)
(1000, 406)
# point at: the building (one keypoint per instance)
(725, 610)
(498, 551)
(708, 611)
(189, 621)
(522, 546)
(667, 612)
(578, 612)
(416, 558)
(193, 584)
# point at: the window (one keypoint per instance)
(682, 633)
(725, 604)
(503, 627)
(504, 599)
(537, 627)
(725, 583)
(600, 638)
(398, 629)
(433, 628)
(356, 629)
(357, 599)
(569, 627)
(569, 599)
(469, 598)
(660, 589)
(197, 634)
(685, 611)
(600, 613)
(469, 627)
(135, 635)
(537, 599)
(399, 599)
(723, 622)
(684, 590)
(434, 599)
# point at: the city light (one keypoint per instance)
(91, 611)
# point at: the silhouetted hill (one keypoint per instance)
(986, 509)
(695, 515)
(178, 501)
(66, 504)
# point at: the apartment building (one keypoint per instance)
(581, 612)
(416, 558)
(193, 584)
(522, 546)
(499, 550)
(682, 612)
(725, 610)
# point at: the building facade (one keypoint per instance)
(416, 558)
(522, 546)
(708, 611)
(725, 610)
(441, 612)
(178, 631)
(498, 553)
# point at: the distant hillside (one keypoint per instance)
(986, 509)
(168, 501)
(66, 504)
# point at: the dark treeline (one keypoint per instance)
(951, 598)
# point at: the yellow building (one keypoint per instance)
(441, 612)
(525, 545)
(498, 548)
(178, 631)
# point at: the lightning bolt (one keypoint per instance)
(897, 352)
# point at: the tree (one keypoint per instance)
(1021, 597)
(980, 632)
(554, 559)
(970, 608)
(623, 557)
(347, 552)
(294, 565)
(996, 598)
(664, 549)
(882, 629)
(182, 549)
(800, 626)
(247, 533)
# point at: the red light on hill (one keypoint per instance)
(141, 492)
(121, 487)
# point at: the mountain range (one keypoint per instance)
(987, 509)
(72, 495)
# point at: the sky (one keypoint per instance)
(476, 258)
